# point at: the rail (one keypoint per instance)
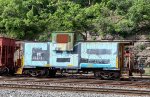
(77, 89)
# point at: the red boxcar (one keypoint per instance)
(7, 49)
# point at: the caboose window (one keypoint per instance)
(99, 51)
(62, 38)
(63, 60)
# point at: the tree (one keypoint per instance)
(35, 19)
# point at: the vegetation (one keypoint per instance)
(36, 19)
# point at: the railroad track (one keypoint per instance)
(77, 89)
(80, 85)
(139, 83)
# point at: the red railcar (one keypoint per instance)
(7, 49)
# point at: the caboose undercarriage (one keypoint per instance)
(39, 72)
(51, 72)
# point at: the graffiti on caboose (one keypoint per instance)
(39, 55)
(95, 61)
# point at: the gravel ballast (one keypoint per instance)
(45, 93)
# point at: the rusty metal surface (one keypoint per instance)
(7, 48)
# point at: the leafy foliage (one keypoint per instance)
(36, 19)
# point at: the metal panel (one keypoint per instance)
(63, 59)
(84, 55)
(63, 41)
(98, 55)
(36, 54)
(7, 48)
(62, 38)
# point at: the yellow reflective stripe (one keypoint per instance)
(47, 65)
(90, 65)
(20, 69)
(117, 62)
(22, 61)
(70, 65)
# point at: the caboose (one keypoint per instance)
(106, 59)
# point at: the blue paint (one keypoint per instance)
(84, 55)
(90, 65)
(54, 55)
(28, 54)
(111, 55)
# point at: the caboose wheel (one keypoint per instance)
(39, 73)
(106, 75)
(45, 73)
(97, 74)
(116, 75)
(33, 73)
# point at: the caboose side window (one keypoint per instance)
(99, 51)
(62, 38)
(63, 60)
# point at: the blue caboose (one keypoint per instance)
(105, 59)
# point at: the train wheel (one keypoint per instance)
(106, 75)
(34, 73)
(39, 73)
(116, 75)
(97, 74)
(45, 73)
(5, 71)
